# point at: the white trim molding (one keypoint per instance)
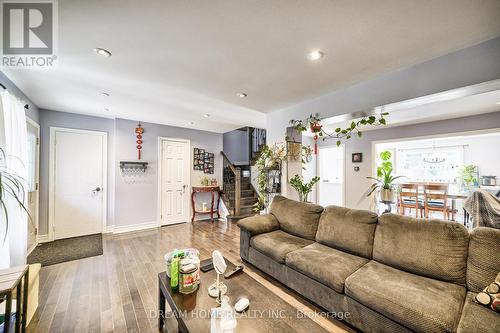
(118, 229)
(42, 238)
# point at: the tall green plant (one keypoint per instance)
(11, 186)
(303, 188)
(468, 175)
(385, 179)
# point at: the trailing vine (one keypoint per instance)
(313, 123)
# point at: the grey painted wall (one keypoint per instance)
(33, 112)
(236, 146)
(136, 202)
(469, 66)
(129, 202)
(70, 120)
(356, 182)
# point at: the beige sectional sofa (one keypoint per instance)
(391, 273)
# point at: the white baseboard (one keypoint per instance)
(109, 229)
(134, 227)
(42, 238)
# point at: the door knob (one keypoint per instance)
(97, 189)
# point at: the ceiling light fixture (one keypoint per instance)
(103, 52)
(104, 94)
(206, 115)
(315, 55)
(106, 109)
(242, 95)
(191, 123)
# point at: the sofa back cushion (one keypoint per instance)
(433, 248)
(483, 263)
(297, 218)
(349, 230)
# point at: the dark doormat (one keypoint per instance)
(67, 249)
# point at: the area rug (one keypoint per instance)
(68, 249)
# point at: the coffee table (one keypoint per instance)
(267, 312)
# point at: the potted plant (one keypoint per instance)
(303, 188)
(385, 181)
(468, 177)
(11, 186)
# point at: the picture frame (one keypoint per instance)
(357, 157)
(203, 161)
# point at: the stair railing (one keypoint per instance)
(231, 184)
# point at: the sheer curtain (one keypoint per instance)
(14, 143)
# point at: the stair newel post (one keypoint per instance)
(237, 190)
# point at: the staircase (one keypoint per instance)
(239, 194)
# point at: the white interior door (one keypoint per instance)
(331, 173)
(33, 133)
(175, 176)
(78, 178)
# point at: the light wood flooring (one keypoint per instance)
(117, 292)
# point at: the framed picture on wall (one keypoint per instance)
(357, 157)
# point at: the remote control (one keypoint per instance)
(235, 270)
(206, 265)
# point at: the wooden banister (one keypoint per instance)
(237, 182)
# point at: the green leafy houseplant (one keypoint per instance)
(313, 123)
(270, 157)
(468, 175)
(303, 188)
(11, 186)
(384, 181)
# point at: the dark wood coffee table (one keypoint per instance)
(267, 312)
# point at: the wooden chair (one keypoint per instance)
(408, 198)
(436, 199)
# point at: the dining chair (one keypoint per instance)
(436, 199)
(408, 198)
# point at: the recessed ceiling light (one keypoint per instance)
(105, 94)
(191, 123)
(103, 52)
(242, 95)
(315, 55)
(206, 115)
(106, 109)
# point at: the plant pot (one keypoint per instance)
(386, 195)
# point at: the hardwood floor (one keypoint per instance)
(117, 292)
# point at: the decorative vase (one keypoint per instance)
(386, 195)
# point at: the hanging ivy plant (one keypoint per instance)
(313, 123)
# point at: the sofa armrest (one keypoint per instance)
(259, 224)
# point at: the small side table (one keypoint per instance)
(13, 279)
(206, 189)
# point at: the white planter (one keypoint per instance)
(386, 195)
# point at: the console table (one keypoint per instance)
(206, 189)
(13, 279)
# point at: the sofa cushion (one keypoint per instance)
(419, 303)
(483, 263)
(297, 218)
(278, 244)
(477, 318)
(324, 264)
(350, 230)
(259, 224)
(433, 248)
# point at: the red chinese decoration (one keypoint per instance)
(139, 130)
(316, 128)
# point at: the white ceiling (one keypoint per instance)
(174, 61)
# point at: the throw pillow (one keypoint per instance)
(490, 296)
